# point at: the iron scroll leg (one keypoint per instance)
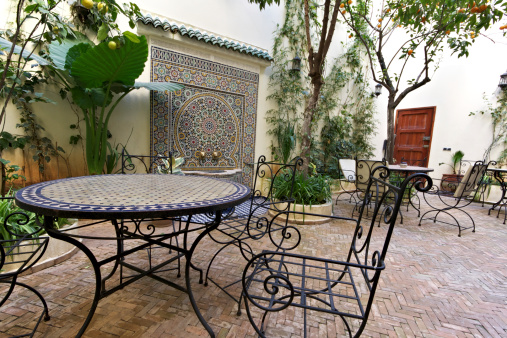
(48, 226)
(210, 227)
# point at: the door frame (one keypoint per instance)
(434, 108)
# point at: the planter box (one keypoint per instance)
(450, 182)
(322, 209)
(342, 185)
(56, 252)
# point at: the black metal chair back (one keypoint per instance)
(364, 170)
(445, 207)
(20, 249)
(144, 164)
(277, 279)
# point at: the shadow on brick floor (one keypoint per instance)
(435, 284)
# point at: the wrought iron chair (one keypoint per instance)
(364, 172)
(18, 253)
(249, 221)
(347, 168)
(275, 280)
(143, 164)
(453, 205)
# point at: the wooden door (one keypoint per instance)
(414, 129)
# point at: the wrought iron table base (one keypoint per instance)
(502, 202)
(123, 234)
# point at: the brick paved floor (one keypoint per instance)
(435, 285)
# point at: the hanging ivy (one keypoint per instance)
(346, 109)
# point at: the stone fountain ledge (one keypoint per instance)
(226, 174)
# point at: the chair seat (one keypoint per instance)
(312, 283)
(239, 211)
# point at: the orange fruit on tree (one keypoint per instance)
(423, 19)
(350, 36)
(447, 32)
(483, 7)
(344, 11)
(342, 5)
(350, 2)
(410, 51)
(380, 20)
(379, 25)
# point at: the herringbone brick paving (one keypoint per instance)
(435, 285)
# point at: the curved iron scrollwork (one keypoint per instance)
(280, 278)
(462, 194)
(20, 249)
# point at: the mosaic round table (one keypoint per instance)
(137, 198)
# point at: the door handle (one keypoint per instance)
(426, 146)
(426, 138)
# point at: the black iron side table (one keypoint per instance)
(501, 176)
(404, 173)
(135, 197)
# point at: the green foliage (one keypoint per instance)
(498, 113)
(348, 122)
(92, 74)
(19, 224)
(173, 167)
(308, 190)
(456, 158)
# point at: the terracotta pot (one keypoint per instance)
(450, 182)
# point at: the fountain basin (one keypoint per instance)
(226, 174)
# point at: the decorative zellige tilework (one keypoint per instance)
(106, 196)
(216, 111)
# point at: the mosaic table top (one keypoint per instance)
(130, 196)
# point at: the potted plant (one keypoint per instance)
(450, 181)
(311, 193)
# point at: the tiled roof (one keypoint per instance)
(192, 33)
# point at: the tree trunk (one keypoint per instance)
(306, 129)
(390, 130)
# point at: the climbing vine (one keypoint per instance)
(345, 114)
(498, 113)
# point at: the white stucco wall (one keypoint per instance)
(456, 88)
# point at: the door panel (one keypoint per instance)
(414, 129)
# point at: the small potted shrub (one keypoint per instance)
(312, 194)
(450, 181)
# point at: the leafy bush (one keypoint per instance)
(19, 224)
(308, 190)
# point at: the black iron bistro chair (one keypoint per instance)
(249, 221)
(20, 251)
(279, 279)
(449, 208)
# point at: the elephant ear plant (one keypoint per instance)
(93, 74)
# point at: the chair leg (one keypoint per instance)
(45, 312)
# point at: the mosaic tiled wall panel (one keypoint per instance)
(215, 112)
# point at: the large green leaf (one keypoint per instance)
(58, 51)
(160, 86)
(7, 45)
(102, 65)
(89, 98)
(75, 52)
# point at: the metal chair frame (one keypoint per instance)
(462, 197)
(25, 250)
(239, 228)
(277, 279)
